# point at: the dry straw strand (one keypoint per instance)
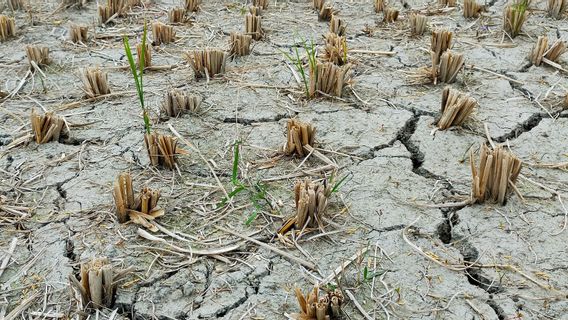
(95, 82)
(337, 25)
(497, 171)
(176, 15)
(253, 26)
(78, 33)
(38, 55)
(450, 64)
(557, 8)
(390, 15)
(418, 24)
(471, 8)
(177, 102)
(299, 134)
(47, 127)
(240, 44)
(379, 6)
(192, 5)
(456, 107)
(207, 63)
(162, 33)
(7, 27)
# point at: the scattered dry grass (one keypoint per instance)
(95, 82)
(495, 176)
(207, 63)
(240, 44)
(47, 127)
(456, 107)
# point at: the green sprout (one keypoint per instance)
(138, 74)
(299, 64)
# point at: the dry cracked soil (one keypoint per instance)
(407, 252)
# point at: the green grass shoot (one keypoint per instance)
(298, 63)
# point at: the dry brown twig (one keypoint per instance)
(97, 286)
(316, 307)
(253, 26)
(47, 127)
(418, 24)
(162, 33)
(177, 102)
(456, 107)
(240, 44)
(78, 33)
(141, 209)
(7, 27)
(38, 55)
(207, 63)
(498, 170)
(95, 82)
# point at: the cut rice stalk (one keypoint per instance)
(456, 107)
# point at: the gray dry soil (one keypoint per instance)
(379, 134)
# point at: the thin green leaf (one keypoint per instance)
(251, 218)
(339, 183)
(235, 175)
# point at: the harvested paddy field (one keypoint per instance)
(298, 159)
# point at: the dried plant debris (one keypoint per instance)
(556, 8)
(7, 27)
(316, 307)
(299, 134)
(115, 7)
(176, 15)
(98, 283)
(240, 44)
(141, 209)
(207, 63)
(255, 11)
(447, 3)
(335, 50)
(47, 127)
(260, 3)
(192, 5)
(105, 13)
(337, 25)
(441, 41)
(162, 150)
(95, 82)
(471, 9)
(328, 78)
(15, 4)
(541, 50)
(147, 55)
(456, 107)
(418, 24)
(379, 6)
(253, 26)
(38, 56)
(326, 12)
(78, 33)
(162, 33)
(450, 64)
(311, 202)
(318, 4)
(514, 16)
(390, 15)
(177, 102)
(496, 174)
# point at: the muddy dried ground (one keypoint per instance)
(379, 134)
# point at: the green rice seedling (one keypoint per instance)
(310, 50)
(556, 8)
(514, 16)
(138, 75)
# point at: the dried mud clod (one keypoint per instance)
(207, 63)
(318, 4)
(263, 4)
(299, 134)
(390, 15)
(147, 55)
(541, 50)
(162, 150)
(328, 78)
(514, 16)
(326, 12)
(240, 44)
(456, 107)
(97, 287)
(418, 24)
(176, 15)
(192, 5)
(14, 5)
(7, 27)
(450, 65)
(141, 209)
(47, 127)
(253, 26)
(177, 102)
(316, 307)
(441, 41)
(379, 6)
(162, 33)
(556, 8)
(447, 3)
(337, 25)
(471, 9)
(37, 56)
(496, 174)
(95, 82)
(335, 50)
(78, 34)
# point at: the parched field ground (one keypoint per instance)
(56, 198)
